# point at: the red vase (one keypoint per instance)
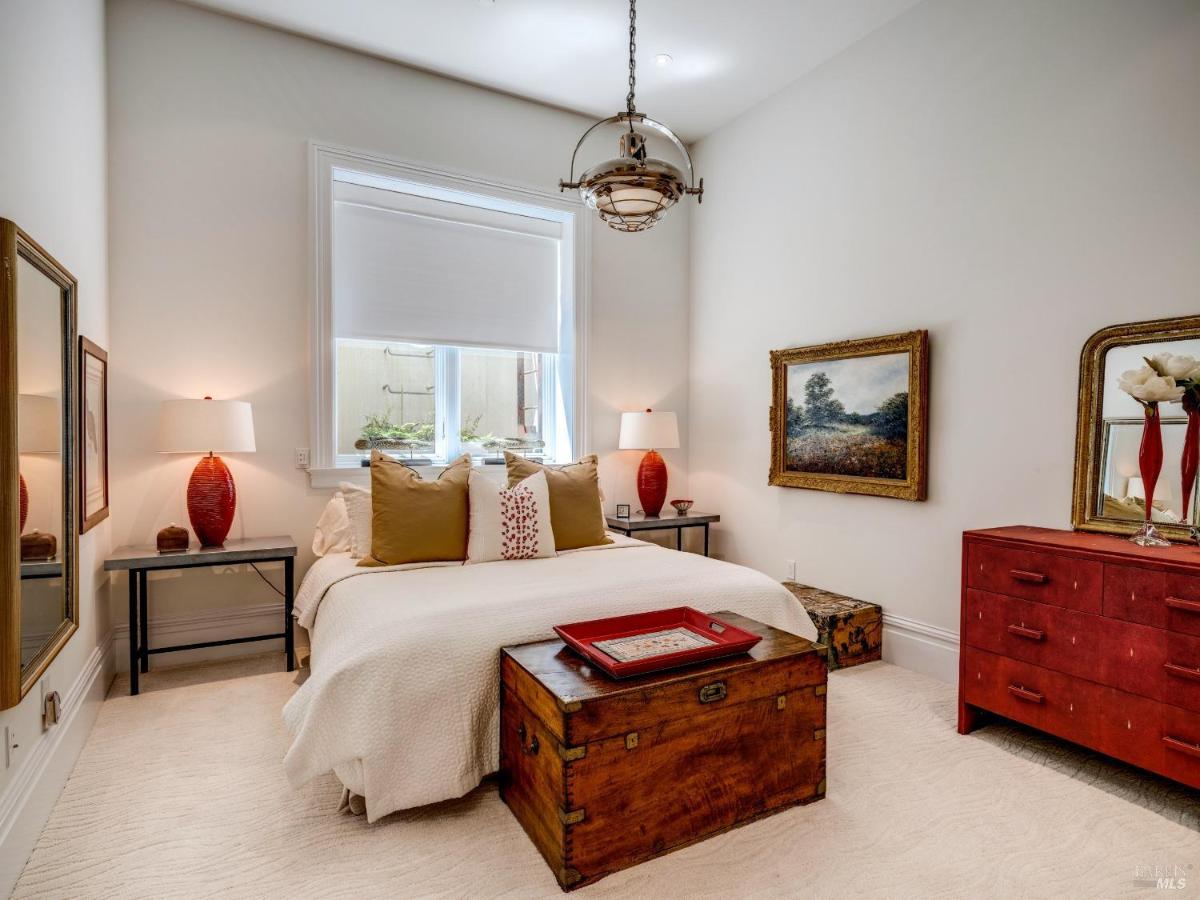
(211, 501)
(1190, 461)
(652, 483)
(24, 504)
(1150, 455)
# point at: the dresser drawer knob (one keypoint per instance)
(1185, 605)
(1023, 693)
(1182, 671)
(1029, 577)
(1031, 634)
(1181, 745)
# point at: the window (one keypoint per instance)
(500, 403)
(447, 317)
(386, 392)
(400, 398)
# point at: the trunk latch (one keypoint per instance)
(711, 693)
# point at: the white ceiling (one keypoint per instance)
(727, 56)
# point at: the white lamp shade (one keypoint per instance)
(38, 424)
(648, 431)
(1137, 489)
(204, 426)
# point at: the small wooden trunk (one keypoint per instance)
(604, 774)
(37, 546)
(851, 629)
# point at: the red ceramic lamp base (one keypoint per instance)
(211, 501)
(652, 483)
(24, 504)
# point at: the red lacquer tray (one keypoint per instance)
(718, 638)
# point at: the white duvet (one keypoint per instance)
(402, 702)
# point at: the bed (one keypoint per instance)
(402, 701)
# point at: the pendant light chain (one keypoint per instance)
(633, 190)
(632, 55)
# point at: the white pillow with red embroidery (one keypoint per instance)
(509, 523)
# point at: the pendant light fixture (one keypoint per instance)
(632, 191)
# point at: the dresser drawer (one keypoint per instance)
(1129, 657)
(1180, 745)
(1181, 668)
(1129, 728)
(1153, 598)
(1149, 662)
(1116, 723)
(1047, 636)
(1052, 701)
(1034, 575)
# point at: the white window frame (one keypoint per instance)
(324, 471)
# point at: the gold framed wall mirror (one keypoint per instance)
(1110, 494)
(39, 603)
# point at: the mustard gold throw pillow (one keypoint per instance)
(576, 515)
(414, 520)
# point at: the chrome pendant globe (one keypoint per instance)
(633, 190)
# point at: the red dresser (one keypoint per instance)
(1087, 637)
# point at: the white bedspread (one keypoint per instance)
(403, 698)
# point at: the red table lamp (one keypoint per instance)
(651, 431)
(38, 431)
(208, 426)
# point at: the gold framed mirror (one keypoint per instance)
(1109, 494)
(39, 601)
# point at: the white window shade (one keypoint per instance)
(426, 270)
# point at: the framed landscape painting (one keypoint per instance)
(852, 416)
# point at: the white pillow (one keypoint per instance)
(358, 510)
(332, 534)
(509, 523)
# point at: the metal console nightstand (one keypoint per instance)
(140, 560)
(664, 523)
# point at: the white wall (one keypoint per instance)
(1011, 176)
(209, 119)
(52, 184)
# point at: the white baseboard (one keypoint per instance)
(29, 798)
(210, 625)
(921, 647)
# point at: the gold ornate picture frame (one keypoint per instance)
(852, 417)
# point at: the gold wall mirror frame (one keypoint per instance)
(39, 597)
(1108, 486)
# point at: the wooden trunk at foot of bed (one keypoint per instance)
(605, 774)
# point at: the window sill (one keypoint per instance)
(360, 476)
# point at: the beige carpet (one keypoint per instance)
(180, 793)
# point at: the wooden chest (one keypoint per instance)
(851, 629)
(1088, 637)
(604, 774)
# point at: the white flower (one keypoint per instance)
(1148, 386)
(1176, 366)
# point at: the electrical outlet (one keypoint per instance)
(301, 457)
(791, 570)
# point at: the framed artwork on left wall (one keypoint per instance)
(93, 435)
